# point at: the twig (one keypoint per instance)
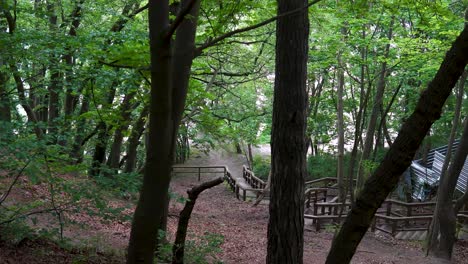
(15, 180)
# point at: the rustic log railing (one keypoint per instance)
(251, 179)
(238, 188)
(321, 183)
(314, 195)
(394, 216)
(204, 170)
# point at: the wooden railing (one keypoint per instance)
(395, 216)
(394, 224)
(321, 183)
(251, 179)
(203, 170)
(314, 195)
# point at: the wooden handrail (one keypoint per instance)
(251, 179)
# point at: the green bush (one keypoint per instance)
(261, 166)
(321, 166)
(199, 250)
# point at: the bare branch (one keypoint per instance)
(214, 41)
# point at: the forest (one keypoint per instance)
(189, 131)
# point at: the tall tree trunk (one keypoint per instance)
(54, 85)
(71, 99)
(5, 107)
(166, 108)
(443, 193)
(77, 147)
(19, 82)
(363, 99)
(126, 108)
(340, 127)
(368, 143)
(134, 140)
(445, 213)
(398, 158)
(288, 152)
(103, 134)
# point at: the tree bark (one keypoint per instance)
(442, 191)
(288, 146)
(126, 108)
(55, 79)
(340, 127)
(166, 108)
(368, 143)
(134, 140)
(5, 107)
(446, 215)
(77, 147)
(400, 155)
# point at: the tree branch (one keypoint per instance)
(180, 17)
(185, 214)
(214, 41)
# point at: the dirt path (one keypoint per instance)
(245, 227)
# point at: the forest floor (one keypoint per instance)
(240, 228)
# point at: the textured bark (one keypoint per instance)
(134, 140)
(71, 100)
(446, 214)
(19, 82)
(5, 108)
(145, 224)
(77, 147)
(25, 103)
(166, 108)
(126, 108)
(288, 146)
(444, 193)
(400, 155)
(340, 127)
(55, 78)
(179, 242)
(103, 134)
(363, 99)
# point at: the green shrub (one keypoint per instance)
(321, 166)
(261, 166)
(199, 250)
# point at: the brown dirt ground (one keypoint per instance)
(243, 227)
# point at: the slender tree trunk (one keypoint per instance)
(443, 193)
(55, 76)
(134, 140)
(99, 154)
(5, 107)
(178, 249)
(363, 99)
(400, 155)
(71, 100)
(288, 152)
(340, 125)
(375, 113)
(446, 215)
(166, 108)
(126, 108)
(77, 147)
(159, 155)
